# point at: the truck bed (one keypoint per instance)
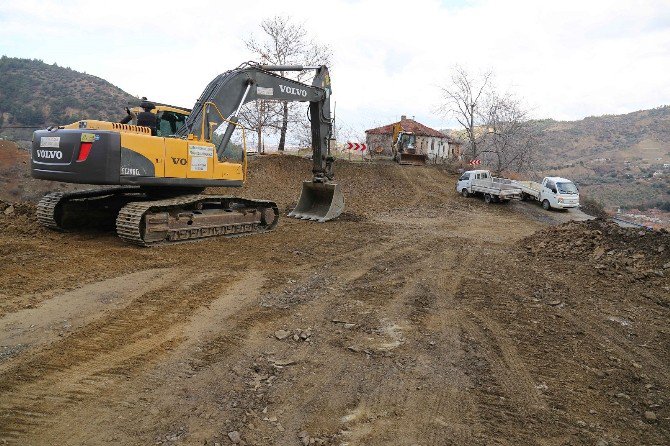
(531, 188)
(499, 187)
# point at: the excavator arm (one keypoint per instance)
(321, 198)
(231, 90)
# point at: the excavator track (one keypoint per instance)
(46, 210)
(60, 210)
(146, 222)
(192, 217)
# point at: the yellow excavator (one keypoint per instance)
(404, 147)
(159, 171)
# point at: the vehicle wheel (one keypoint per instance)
(545, 205)
(465, 193)
(487, 198)
(524, 196)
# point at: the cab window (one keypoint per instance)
(551, 186)
(170, 122)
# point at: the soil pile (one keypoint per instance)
(612, 249)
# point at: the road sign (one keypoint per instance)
(475, 162)
(356, 146)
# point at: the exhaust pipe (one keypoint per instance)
(319, 202)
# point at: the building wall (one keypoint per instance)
(438, 150)
(456, 150)
(379, 145)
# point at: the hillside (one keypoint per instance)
(633, 136)
(621, 160)
(34, 93)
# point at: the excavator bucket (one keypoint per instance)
(413, 159)
(319, 201)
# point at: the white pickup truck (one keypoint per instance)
(554, 192)
(491, 188)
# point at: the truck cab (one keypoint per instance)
(558, 193)
(466, 179)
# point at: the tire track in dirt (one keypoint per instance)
(208, 336)
(503, 387)
(32, 327)
(444, 387)
(454, 418)
(350, 267)
(393, 408)
(105, 351)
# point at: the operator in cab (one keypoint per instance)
(145, 118)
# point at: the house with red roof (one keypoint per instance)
(438, 147)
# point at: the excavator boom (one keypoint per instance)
(321, 199)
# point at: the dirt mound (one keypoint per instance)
(368, 188)
(19, 218)
(613, 249)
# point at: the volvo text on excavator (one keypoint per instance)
(159, 179)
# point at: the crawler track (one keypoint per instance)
(63, 210)
(180, 219)
(146, 222)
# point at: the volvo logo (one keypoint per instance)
(293, 90)
(50, 154)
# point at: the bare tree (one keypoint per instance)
(285, 43)
(496, 126)
(260, 115)
(511, 138)
(464, 99)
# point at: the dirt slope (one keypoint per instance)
(418, 318)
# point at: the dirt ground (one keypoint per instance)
(417, 318)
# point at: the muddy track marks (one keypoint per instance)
(103, 352)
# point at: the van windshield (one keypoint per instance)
(567, 188)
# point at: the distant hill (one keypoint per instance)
(633, 136)
(34, 93)
(622, 161)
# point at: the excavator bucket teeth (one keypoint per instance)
(413, 159)
(319, 201)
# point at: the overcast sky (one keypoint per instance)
(567, 59)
